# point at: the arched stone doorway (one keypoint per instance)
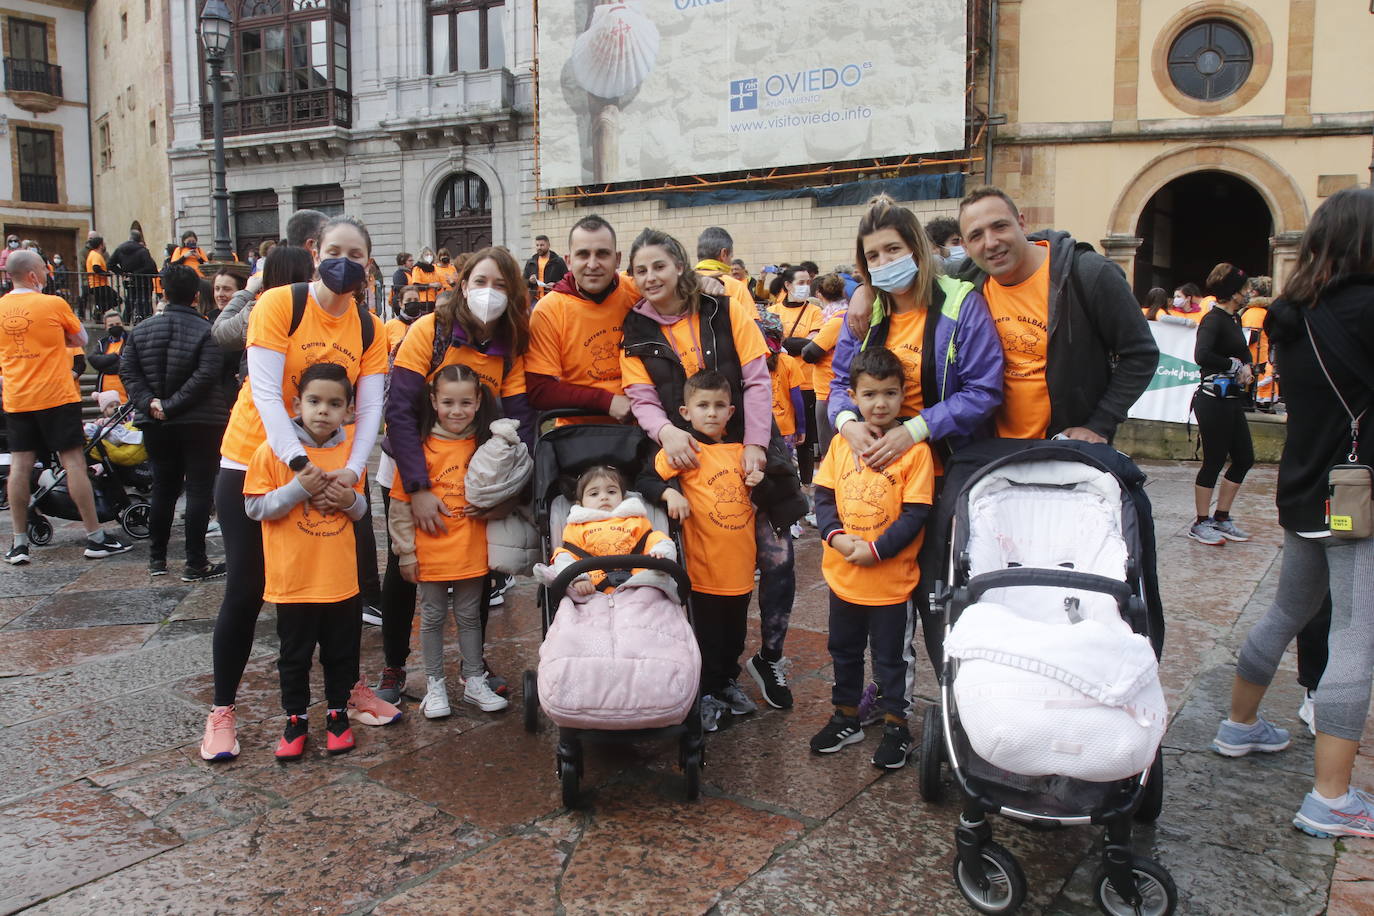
(462, 214)
(1195, 222)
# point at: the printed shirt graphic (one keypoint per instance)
(718, 536)
(685, 337)
(608, 537)
(109, 381)
(1021, 314)
(786, 376)
(310, 555)
(321, 338)
(823, 373)
(577, 341)
(418, 348)
(33, 352)
(868, 502)
(462, 552)
(905, 338)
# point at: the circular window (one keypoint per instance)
(1210, 60)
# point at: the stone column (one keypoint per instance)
(1121, 249)
(1283, 255)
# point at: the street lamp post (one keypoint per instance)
(216, 29)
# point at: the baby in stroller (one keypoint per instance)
(605, 522)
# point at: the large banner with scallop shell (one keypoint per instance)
(640, 89)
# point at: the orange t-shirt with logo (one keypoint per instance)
(578, 341)
(608, 537)
(34, 356)
(109, 381)
(462, 552)
(906, 334)
(786, 376)
(417, 350)
(684, 335)
(868, 502)
(802, 321)
(823, 372)
(310, 555)
(320, 338)
(718, 535)
(1020, 314)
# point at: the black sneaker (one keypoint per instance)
(98, 550)
(772, 680)
(157, 567)
(500, 582)
(372, 615)
(18, 555)
(840, 732)
(895, 749)
(203, 573)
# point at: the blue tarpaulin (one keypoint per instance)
(911, 187)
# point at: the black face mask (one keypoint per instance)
(116, 332)
(412, 310)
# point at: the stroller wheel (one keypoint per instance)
(1152, 799)
(135, 520)
(932, 753)
(1006, 889)
(691, 769)
(1158, 894)
(40, 530)
(531, 701)
(567, 775)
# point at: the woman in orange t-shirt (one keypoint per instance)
(190, 253)
(330, 330)
(446, 269)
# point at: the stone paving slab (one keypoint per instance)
(113, 607)
(34, 652)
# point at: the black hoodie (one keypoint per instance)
(1102, 355)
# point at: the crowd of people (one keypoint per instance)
(831, 398)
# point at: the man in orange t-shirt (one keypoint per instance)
(544, 269)
(1078, 350)
(42, 405)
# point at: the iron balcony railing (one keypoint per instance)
(33, 76)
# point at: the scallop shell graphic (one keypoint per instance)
(616, 52)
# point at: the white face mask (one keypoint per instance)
(487, 303)
(801, 292)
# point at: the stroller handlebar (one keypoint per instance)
(1052, 578)
(559, 588)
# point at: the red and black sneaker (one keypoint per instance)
(338, 736)
(292, 743)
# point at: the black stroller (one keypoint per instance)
(50, 496)
(1040, 492)
(560, 455)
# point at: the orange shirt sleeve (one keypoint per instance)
(825, 474)
(546, 337)
(418, 347)
(919, 486)
(262, 475)
(749, 344)
(269, 326)
(662, 467)
(794, 373)
(374, 358)
(632, 371)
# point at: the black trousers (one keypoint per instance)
(1313, 646)
(243, 586)
(806, 452)
(1225, 432)
(886, 630)
(398, 603)
(183, 457)
(721, 623)
(337, 630)
(365, 541)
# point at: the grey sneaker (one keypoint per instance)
(711, 711)
(1320, 819)
(1235, 740)
(736, 700)
(1205, 532)
(1228, 530)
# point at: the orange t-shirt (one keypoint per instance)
(906, 334)
(395, 333)
(718, 535)
(578, 341)
(868, 502)
(786, 376)
(420, 277)
(95, 259)
(684, 335)
(608, 537)
(418, 348)
(462, 552)
(448, 275)
(541, 262)
(321, 338)
(109, 381)
(34, 356)
(823, 372)
(1021, 315)
(194, 258)
(310, 555)
(801, 321)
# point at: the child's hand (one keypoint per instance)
(583, 587)
(841, 543)
(861, 553)
(410, 572)
(753, 478)
(312, 478)
(678, 507)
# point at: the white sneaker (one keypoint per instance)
(435, 703)
(811, 519)
(1305, 712)
(796, 531)
(479, 694)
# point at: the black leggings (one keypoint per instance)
(365, 540)
(244, 583)
(1224, 430)
(806, 452)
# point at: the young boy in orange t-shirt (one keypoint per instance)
(872, 521)
(310, 559)
(712, 500)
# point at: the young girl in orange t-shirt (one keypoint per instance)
(459, 415)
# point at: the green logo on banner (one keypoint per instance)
(1173, 373)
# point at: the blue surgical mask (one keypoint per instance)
(895, 276)
(342, 276)
(956, 253)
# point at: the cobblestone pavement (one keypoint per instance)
(106, 807)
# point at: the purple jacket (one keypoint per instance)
(968, 370)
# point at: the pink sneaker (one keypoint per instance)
(370, 709)
(221, 741)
